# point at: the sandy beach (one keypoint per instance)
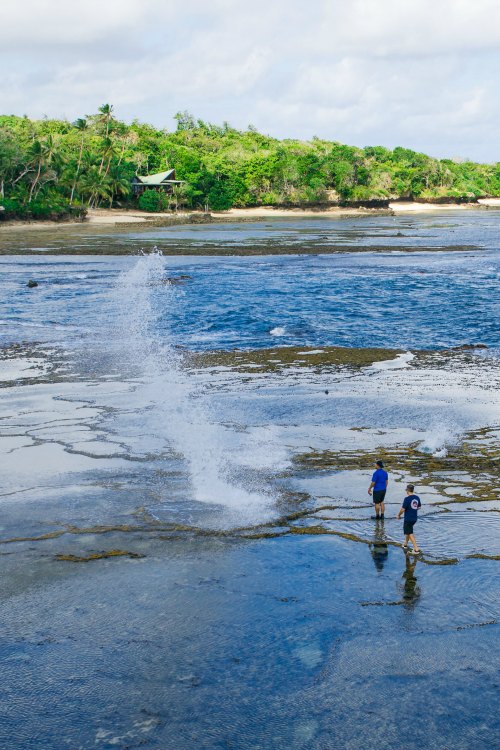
(414, 206)
(269, 212)
(98, 217)
(115, 216)
(489, 202)
(107, 216)
(401, 207)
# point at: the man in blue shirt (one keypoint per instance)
(410, 507)
(380, 480)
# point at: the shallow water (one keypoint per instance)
(189, 559)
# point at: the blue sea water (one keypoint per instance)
(197, 637)
(423, 300)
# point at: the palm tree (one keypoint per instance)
(43, 154)
(118, 181)
(95, 186)
(10, 159)
(81, 125)
(108, 151)
(105, 116)
(49, 147)
(36, 157)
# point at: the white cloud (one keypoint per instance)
(414, 27)
(421, 73)
(59, 22)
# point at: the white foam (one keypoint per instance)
(400, 362)
(278, 331)
(438, 438)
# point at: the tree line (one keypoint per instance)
(55, 168)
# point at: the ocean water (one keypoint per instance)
(187, 441)
(391, 298)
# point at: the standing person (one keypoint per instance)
(380, 480)
(410, 507)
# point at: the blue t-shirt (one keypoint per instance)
(380, 478)
(411, 504)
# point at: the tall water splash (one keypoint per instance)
(438, 438)
(172, 404)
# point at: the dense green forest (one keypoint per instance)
(55, 168)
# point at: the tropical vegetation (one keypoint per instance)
(55, 168)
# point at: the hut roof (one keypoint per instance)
(159, 178)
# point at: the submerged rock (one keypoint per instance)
(172, 280)
(466, 347)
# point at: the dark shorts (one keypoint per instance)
(378, 496)
(408, 527)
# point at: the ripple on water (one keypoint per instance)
(460, 533)
(441, 535)
(471, 588)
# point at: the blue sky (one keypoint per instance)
(419, 73)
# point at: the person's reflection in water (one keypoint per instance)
(411, 590)
(379, 549)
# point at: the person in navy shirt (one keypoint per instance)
(380, 480)
(410, 507)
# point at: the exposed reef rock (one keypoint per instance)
(286, 356)
(98, 556)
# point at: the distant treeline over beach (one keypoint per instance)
(53, 169)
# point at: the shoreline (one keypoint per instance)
(102, 217)
(109, 217)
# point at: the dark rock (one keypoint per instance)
(466, 347)
(372, 203)
(31, 284)
(172, 280)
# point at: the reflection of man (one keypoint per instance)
(380, 480)
(411, 591)
(380, 550)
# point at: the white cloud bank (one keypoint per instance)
(420, 73)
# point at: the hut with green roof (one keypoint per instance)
(164, 181)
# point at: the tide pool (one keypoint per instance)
(188, 551)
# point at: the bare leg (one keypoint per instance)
(382, 506)
(414, 542)
(377, 509)
(407, 537)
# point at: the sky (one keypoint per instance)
(423, 74)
